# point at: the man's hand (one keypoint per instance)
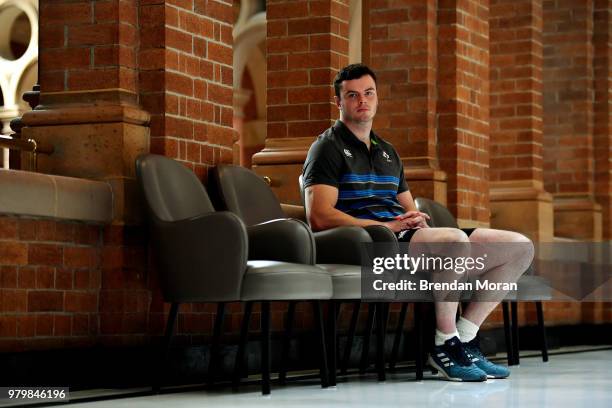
(414, 219)
(409, 220)
(398, 225)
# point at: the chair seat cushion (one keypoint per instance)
(346, 280)
(347, 283)
(271, 280)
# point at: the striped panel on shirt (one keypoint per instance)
(369, 196)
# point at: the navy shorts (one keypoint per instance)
(406, 235)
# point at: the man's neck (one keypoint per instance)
(361, 130)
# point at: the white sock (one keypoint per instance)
(467, 330)
(442, 337)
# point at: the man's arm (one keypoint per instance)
(320, 202)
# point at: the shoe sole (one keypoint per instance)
(497, 377)
(449, 378)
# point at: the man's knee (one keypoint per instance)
(449, 235)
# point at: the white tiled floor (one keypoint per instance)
(570, 380)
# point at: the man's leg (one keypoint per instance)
(509, 256)
(504, 266)
(448, 355)
(446, 311)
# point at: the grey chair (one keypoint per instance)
(339, 250)
(207, 256)
(529, 287)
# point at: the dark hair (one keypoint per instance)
(353, 71)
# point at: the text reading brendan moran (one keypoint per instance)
(453, 274)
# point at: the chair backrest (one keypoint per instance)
(440, 216)
(172, 191)
(245, 194)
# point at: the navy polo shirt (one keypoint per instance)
(368, 181)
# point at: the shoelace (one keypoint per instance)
(474, 349)
(458, 354)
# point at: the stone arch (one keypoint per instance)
(13, 30)
(18, 29)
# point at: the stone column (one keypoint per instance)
(307, 43)
(241, 98)
(516, 170)
(402, 51)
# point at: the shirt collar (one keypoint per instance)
(350, 137)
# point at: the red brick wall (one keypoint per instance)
(463, 105)
(516, 90)
(307, 43)
(186, 79)
(88, 45)
(568, 97)
(49, 283)
(602, 109)
(403, 54)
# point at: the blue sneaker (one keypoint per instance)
(452, 361)
(492, 370)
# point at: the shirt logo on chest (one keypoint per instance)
(348, 153)
(386, 156)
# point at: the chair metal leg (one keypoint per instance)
(240, 366)
(365, 351)
(418, 329)
(170, 324)
(507, 334)
(265, 348)
(318, 315)
(350, 336)
(332, 334)
(282, 370)
(381, 320)
(542, 329)
(213, 359)
(515, 333)
(399, 330)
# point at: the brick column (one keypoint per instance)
(107, 69)
(307, 44)
(568, 118)
(402, 51)
(463, 107)
(602, 110)
(186, 79)
(516, 120)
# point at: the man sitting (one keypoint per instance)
(354, 177)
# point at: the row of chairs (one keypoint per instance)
(252, 253)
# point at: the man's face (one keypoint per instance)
(358, 100)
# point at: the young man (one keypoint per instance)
(353, 177)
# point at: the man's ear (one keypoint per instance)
(337, 101)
